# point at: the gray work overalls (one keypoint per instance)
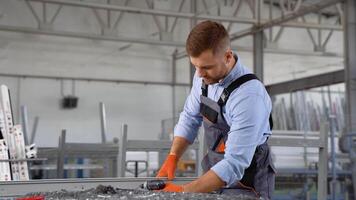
(258, 179)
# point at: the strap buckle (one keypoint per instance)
(223, 98)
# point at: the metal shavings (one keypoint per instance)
(110, 193)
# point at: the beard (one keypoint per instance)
(210, 81)
(217, 76)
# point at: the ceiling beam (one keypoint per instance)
(285, 18)
(147, 11)
(92, 79)
(180, 44)
(185, 15)
(307, 83)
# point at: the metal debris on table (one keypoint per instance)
(109, 193)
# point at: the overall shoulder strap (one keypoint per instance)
(204, 89)
(237, 83)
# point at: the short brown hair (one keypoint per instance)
(207, 35)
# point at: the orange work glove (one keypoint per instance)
(221, 147)
(169, 167)
(170, 187)
(32, 198)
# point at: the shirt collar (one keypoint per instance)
(233, 74)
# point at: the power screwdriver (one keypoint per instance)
(153, 185)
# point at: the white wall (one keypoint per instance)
(141, 106)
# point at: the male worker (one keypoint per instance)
(234, 107)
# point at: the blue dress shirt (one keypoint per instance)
(246, 112)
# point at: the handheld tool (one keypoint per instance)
(153, 185)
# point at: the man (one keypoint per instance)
(234, 107)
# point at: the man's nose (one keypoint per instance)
(200, 72)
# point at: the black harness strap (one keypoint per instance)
(237, 83)
(204, 89)
(227, 91)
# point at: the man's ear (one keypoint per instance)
(228, 56)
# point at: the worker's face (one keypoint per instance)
(212, 68)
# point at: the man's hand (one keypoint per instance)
(170, 187)
(169, 167)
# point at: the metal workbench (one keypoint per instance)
(20, 188)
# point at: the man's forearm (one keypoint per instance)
(207, 183)
(179, 146)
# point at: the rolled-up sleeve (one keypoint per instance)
(248, 114)
(190, 119)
